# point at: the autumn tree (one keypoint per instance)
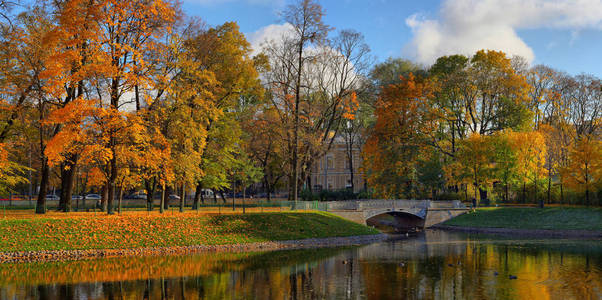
(117, 40)
(585, 169)
(475, 164)
(264, 147)
(289, 57)
(129, 29)
(395, 140)
(530, 149)
(225, 52)
(505, 158)
(21, 58)
(313, 83)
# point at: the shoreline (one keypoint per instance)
(577, 234)
(70, 255)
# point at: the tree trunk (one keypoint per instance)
(561, 193)
(524, 200)
(166, 201)
(162, 207)
(197, 196)
(41, 203)
(266, 188)
(586, 185)
(183, 197)
(291, 186)
(350, 158)
(150, 187)
(266, 184)
(120, 191)
(67, 177)
(104, 197)
(476, 203)
(62, 198)
(549, 187)
(112, 182)
(114, 94)
(224, 198)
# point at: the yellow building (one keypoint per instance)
(332, 171)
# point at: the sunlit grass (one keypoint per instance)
(139, 230)
(558, 218)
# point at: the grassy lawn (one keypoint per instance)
(186, 229)
(558, 218)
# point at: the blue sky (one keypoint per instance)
(564, 34)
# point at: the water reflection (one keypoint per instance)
(433, 265)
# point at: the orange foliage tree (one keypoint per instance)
(396, 138)
(584, 171)
(109, 58)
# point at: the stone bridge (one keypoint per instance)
(405, 213)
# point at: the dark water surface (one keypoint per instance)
(432, 265)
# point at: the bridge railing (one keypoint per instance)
(373, 204)
(389, 203)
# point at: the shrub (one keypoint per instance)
(307, 195)
(365, 194)
(449, 196)
(338, 195)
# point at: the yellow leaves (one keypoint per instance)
(3, 156)
(474, 162)
(584, 171)
(11, 173)
(530, 148)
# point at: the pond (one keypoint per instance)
(430, 265)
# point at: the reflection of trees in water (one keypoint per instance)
(432, 266)
(465, 270)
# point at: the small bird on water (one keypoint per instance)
(512, 277)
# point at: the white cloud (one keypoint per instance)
(273, 32)
(465, 26)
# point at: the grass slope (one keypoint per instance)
(187, 229)
(553, 218)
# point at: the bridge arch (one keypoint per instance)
(400, 220)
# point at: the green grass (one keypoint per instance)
(139, 231)
(553, 218)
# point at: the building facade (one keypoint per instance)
(332, 171)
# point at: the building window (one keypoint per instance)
(329, 162)
(353, 161)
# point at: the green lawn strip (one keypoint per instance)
(553, 218)
(139, 232)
